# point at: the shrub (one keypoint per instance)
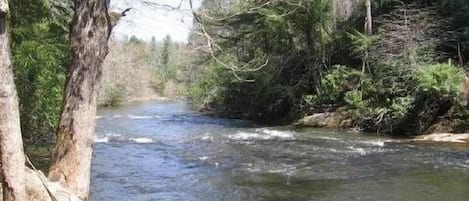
(115, 96)
(437, 92)
(443, 80)
(337, 82)
(400, 107)
(354, 99)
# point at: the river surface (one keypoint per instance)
(165, 151)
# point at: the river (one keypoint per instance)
(164, 151)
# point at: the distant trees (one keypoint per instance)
(127, 73)
(165, 54)
(153, 43)
(145, 69)
(135, 40)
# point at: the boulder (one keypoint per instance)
(326, 120)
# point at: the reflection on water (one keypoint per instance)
(164, 151)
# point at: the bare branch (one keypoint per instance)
(169, 7)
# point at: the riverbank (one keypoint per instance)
(153, 97)
(149, 95)
(337, 120)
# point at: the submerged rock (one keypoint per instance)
(444, 137)
(327, 120)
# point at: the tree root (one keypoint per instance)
(38, 188)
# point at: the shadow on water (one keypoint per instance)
(165, 151)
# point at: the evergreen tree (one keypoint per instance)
(165, 55)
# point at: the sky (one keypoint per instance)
(155, 18)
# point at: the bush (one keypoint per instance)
(354, 99)
(437, 92)
(337, 82)
(114, 96)
(443, 80)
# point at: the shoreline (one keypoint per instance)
(328, 120)
(149, 98)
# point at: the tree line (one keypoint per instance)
(136, 69)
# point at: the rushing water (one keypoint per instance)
(164, 151)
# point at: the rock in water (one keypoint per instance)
(327, 119)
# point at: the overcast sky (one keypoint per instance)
(155, 18)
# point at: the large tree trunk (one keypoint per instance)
(11, 144)
(71, 160)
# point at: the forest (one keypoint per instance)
(402, 71)
(399, 68)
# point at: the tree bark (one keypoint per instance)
(369, 19)
(71, 160)
(11, 143)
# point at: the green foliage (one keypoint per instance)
(262, 100)
(289, 35)
(354, 100)
(134, 40)
(208, 90)
(400, 107)
(117, 96)
(442, 80)
(40, 156)
(314, 62)
(362, 45)
(40, 56)
(165, 56)
(337, 82)
(435, 90)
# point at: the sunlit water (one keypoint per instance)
(165, 151)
